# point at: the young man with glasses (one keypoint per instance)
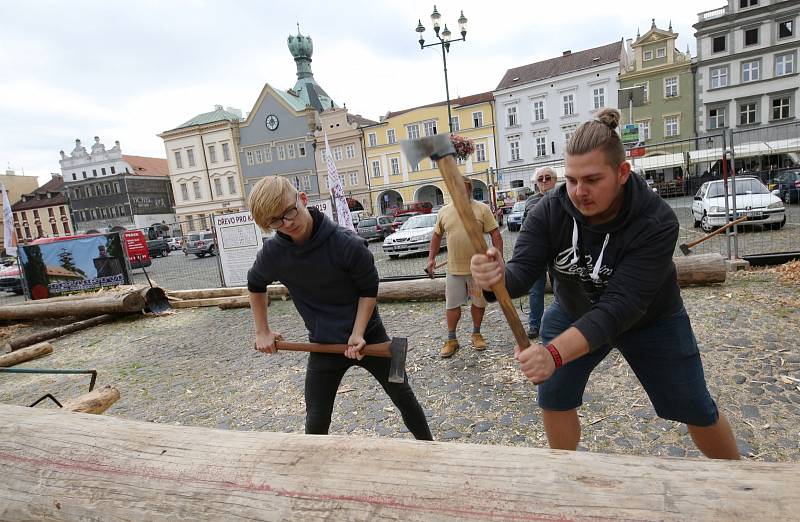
(545, 179)
(331, 276)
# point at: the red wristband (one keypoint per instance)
(556, 356)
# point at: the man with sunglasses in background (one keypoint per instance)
(331, 276)
(545, 180)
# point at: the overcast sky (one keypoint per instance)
(129, 70)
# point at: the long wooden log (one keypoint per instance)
(701, 269)
(21, 342)
(142, 471)
(25, 354)
(207, 293)
(127, 302)
(96, 401)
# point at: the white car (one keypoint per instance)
(413, 237)
(753, 200)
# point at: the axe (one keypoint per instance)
(440, 149)
(685, 248)
(395, 350)
(438, 265)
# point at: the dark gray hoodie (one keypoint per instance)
(611, 278)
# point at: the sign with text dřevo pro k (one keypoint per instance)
(238, 242)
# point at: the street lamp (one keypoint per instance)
(444, 37)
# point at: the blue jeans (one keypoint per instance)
(663, 355)
(536, 298)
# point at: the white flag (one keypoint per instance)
(337, 192)
(9, 236)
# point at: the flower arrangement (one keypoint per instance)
(463, 146)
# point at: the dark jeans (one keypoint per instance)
(323, 376)
(536, 301)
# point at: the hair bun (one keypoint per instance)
(609, 117)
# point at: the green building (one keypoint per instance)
(667, 112)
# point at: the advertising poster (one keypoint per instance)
(52, 267)
(324, 206)
(238, 240)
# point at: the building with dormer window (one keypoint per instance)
(43, 212)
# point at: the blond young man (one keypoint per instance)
(459, 287)
(331, 276)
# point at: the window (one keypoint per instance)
(454, 124)
(751, 71)
(747, 3)
(780, 108)
(412, 131)
(541, 145)
(196, 187)
(307, 183)
(353, 178)
(203, 222)
(480, 152)
(671, 87)
(538, 110)
(94, 172)
(226, 152)
(218, 186)
(349, 151)
(74, 177)
(661, 52)
(394, 163)
(785, 28)
(281, 152)
(376, 169)
(184, 192)
(648, 55)
(513, 146)
(645, 91)
(719, 77)
(250, 160)
(671, 126)
(301, 150)
(569, 104)
(190, 222)
(84, 174)
(116, 188)
(231, 184)
(267, 152)
(784, 64)
(212, 154)
(290, 151)
(747, 113)
(190, 157)
(599, 97)
(103, 171)
(716, 118)
(477, 119)
(719, 43)
(415, 167)
(112, 170)
(337, 153)
(178, 160)
(259, 156)
(390, 136)
(569, 130)
(512, 116)
(373, 139)
(430, 128)
(751, 36)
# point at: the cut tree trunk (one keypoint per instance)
(207, 293)
(21, 342)
(123, 303)
(142, 471)
(25, 354)
(96, 401)
(235, 302)
(701, 269)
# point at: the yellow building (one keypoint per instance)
(16, 186)
(394, 182)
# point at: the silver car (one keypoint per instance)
(515, 217)
(374, 228)
(413, 237)
(201, 244)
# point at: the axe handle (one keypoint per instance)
(717, 231)
(455, 185)
(375, 350)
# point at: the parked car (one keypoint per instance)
(174, 243)
(158, 247)
(436, 209)
(413, 237)
(201, 244)
(515, 217)
(787, 186)
(416, 207)
(357, 215)
(753, 200)
(10, 280)
(402, 218)
(375, 228)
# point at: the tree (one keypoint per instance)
(68, 263)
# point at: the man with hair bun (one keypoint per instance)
(608, 242)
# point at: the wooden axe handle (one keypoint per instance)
(717, 231)
(375, 350)
(455, 185)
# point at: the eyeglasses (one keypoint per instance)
(544, 178)
(289, 215)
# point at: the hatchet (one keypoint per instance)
(395, 350)
(686, 249)
(440, 149)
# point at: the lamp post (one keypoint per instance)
(444, 42)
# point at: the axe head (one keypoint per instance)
(685, 249)
(397, 367)
(434, 147)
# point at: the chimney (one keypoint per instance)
(217, 107)
(566, 53)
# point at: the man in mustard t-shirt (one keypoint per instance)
(459, 288)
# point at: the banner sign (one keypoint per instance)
(337, 191)
(238, 242)
(52, 266)
(630, 133)
(324, 206)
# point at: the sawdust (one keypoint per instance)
(789, 273)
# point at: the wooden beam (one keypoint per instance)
(130, 470)
(126, 302)
(46, 335)
(25, 354)
(95, 402)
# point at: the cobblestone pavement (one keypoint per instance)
(197, 367)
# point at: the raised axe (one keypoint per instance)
(438, 265)
(440, 149)
(685, 248)
(396, 350)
